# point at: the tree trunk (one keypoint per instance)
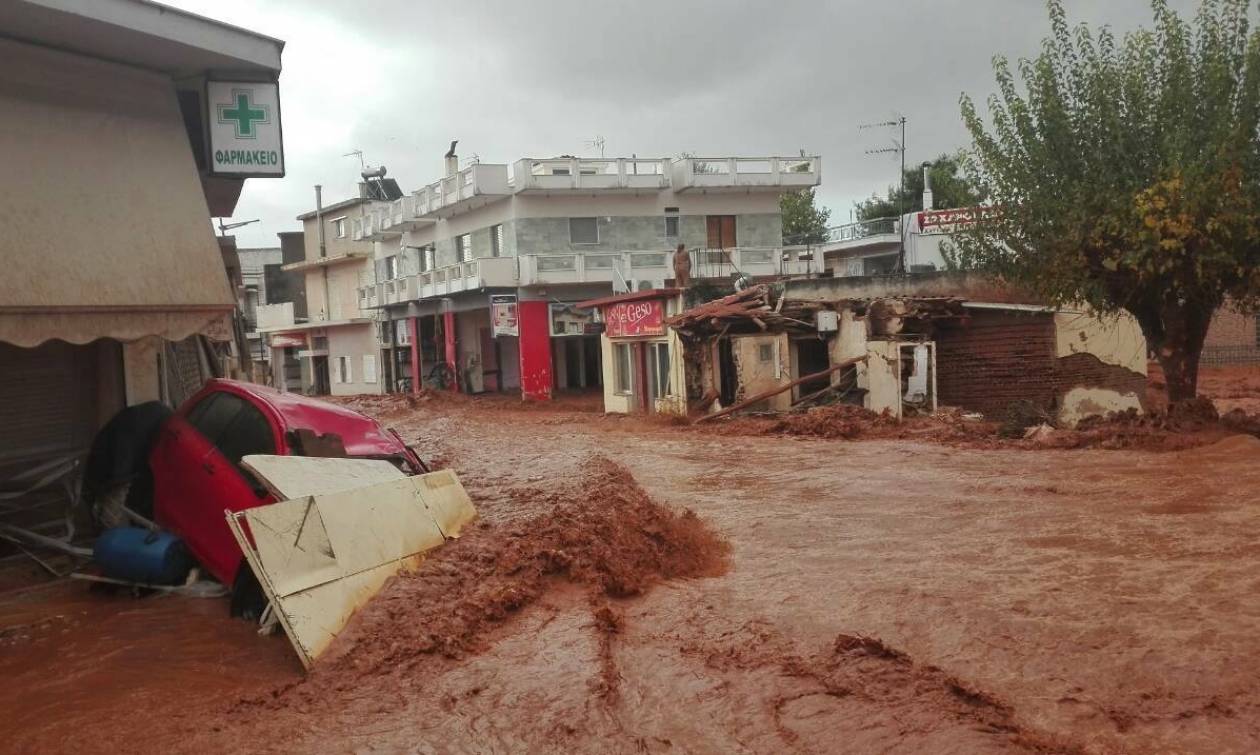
(1183, 327)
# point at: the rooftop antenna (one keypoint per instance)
(225, 227)
(359, 154)
(598, 141)
(898, 147)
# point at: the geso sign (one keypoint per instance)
(634, 318)
(244, 127)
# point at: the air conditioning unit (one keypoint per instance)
(648, 285)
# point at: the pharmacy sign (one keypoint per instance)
(244, 126)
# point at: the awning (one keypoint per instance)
(106, 229)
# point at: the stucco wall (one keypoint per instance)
(757, 374)
(356, 342)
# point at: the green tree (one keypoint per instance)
(1126, 174)
(804, 222)
(951, 187)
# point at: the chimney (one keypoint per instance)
(452, 160)
(363, 190)
(927, 186)
(319, 219)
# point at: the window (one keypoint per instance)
(463, 247)
(339, 227)
(233, 425)
(369, 368)
(622, 373)
(343, 372)
(391, 267)
(658, 361)
(496, 240)
(765, 352)
(583, 231)
(427, 254)
(671, 226)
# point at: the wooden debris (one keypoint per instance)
(780, 389)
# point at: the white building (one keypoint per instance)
(480, 269)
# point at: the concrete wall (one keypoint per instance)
(334, 244)
(971, 286)
(356, 342)
(343, 291)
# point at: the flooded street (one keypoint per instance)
(880, 595)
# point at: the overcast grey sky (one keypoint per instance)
(399, 79)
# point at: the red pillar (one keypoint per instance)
(452, 358)
(534, 320)
(413, 333)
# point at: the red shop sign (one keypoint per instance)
(634, 318)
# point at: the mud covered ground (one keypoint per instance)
(828, 595)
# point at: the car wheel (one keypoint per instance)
(248, 600)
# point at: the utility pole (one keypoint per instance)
(900, 148)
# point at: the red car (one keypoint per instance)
(195, 455)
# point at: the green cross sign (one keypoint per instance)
(243, 115)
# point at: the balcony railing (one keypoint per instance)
(629, 269)
(864, 229)
(444, 281)
(469, 188)
(582, 174)
(746, 172)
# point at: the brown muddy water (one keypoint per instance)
(877, 596)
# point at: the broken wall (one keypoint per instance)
(995, 358)
(763, 362)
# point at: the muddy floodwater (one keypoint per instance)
(856, 596)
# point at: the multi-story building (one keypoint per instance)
(337, 344)
(477, 274)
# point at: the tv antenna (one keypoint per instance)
(899, 148)
(225, 227)
(359, 154)
(598, 141)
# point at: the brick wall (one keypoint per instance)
(993, 359)
(1231, 339)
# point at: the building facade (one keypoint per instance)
(334, 339)
(477, 274)
(115, 291)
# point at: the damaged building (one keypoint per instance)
(905, 347)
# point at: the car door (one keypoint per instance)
(197, 476)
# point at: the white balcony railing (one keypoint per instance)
(627, 269)
(582, 174)
(466, 189)
(444, 281)
(746, 172)
(864, 229)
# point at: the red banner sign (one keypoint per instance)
(948, 221)
(634, 318)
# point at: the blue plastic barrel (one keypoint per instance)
(134, 554)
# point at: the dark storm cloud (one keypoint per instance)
(400, 79)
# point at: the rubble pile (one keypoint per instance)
(754, 308)
(601, 532)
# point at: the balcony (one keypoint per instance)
(470, 188)
(579, 174)
(742, 173)
(628, 270)
(489, 272)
